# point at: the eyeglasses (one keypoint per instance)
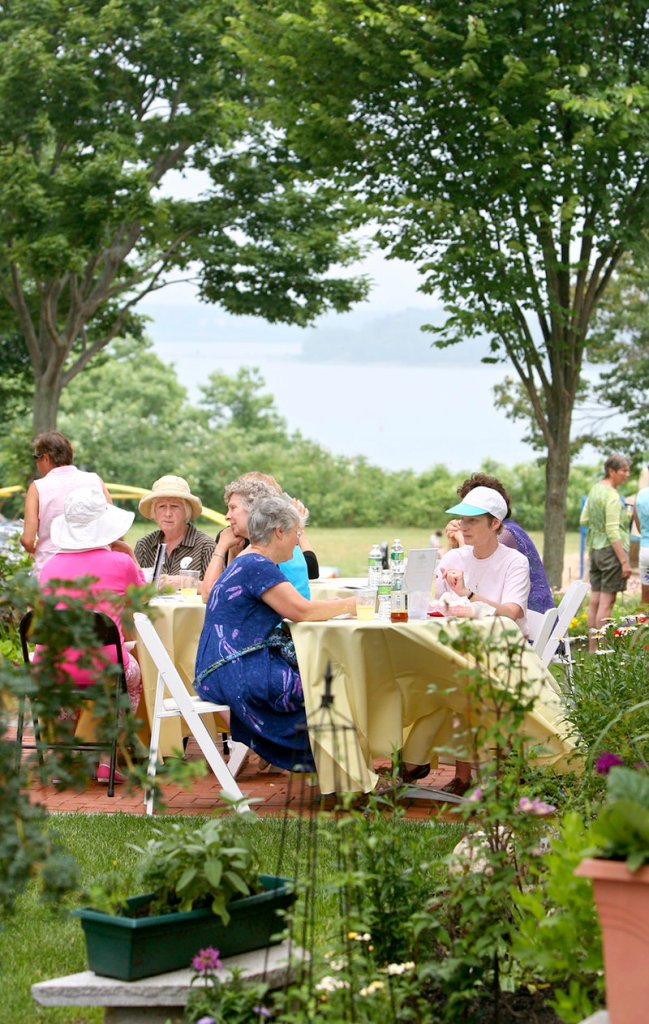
(37, 457)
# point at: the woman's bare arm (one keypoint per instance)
(228, 547)
(289, 603)
(30, 529)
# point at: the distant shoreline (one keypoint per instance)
(351, 339)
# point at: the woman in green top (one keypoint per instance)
(606, 517)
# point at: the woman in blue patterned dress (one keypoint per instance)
(235, 664)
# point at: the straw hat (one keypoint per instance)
(89, 522)
(169, 487)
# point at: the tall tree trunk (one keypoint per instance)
(47, 394)
(557, 472)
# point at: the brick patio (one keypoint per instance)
(270, 790)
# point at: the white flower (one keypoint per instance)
(374, 986)
(409, 965)
(329, 984)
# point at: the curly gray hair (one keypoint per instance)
(249, 491)
(272, 513)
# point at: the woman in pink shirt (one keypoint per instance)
(53, 455)
(87, 537)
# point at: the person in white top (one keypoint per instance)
(53, 455)
(483, 570)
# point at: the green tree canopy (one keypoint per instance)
(130, 418)
(101, 103)
(503, 149)
(621, 340)
(239, 403)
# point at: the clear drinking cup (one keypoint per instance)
(189, 579)
(366, 603)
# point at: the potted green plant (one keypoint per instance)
(200, 887)
(618, 868)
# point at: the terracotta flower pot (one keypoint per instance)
(622, 899)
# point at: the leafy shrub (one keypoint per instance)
(608, 707)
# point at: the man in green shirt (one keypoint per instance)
(608, 543)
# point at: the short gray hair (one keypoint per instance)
(615, 462)
(272, 513)
(249, 491)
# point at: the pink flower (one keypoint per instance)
(207, 960)
(537, 807)
(606, 761)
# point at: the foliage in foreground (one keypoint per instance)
(448, 937)
(407, 931)
(607, 705)
(46, 688)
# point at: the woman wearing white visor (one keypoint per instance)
(482, 570)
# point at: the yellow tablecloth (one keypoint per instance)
(337, 586)
(382, 677)
(179, 625)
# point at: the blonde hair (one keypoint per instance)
(265, 478)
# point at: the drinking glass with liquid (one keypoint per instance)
(365, 603)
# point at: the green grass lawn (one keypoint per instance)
(38, 942)
(347, 549)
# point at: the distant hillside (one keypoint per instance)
(355, 337)
(394, 338)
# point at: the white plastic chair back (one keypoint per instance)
(570, 604)
(181, 704)
(540, 626)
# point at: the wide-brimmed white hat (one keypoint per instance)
(169, 487)
(480, 500)
(89, 521)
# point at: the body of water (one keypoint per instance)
(397, 417)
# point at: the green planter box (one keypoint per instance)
(129, 948)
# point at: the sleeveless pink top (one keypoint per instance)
(53, 489)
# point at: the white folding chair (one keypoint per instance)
(570, 604)
(540, 626)
(181, 704)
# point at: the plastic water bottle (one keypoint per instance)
(374, 566)
(397, 556)
(384, 595)
(398, 599)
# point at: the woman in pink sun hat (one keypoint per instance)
(88, 537)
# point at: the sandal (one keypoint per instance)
(385, 786)
(457, 786)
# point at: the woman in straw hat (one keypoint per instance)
(171, 505)
(87, 537)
